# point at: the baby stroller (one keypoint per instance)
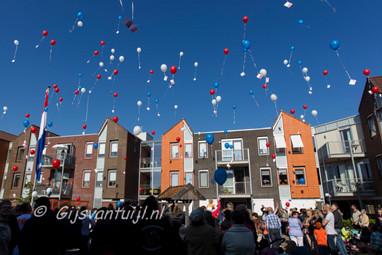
(351, 237)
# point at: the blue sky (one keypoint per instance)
(201, 29)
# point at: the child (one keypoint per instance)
(210, 206)
(321, 237)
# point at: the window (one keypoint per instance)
(371, 123)
(378, 159)
(266, 180)
(300, 176)
(238, 150)
(16, 180)
(20, 153)
(203, 178)
(112, 178)
(89, 150)
(283, 177)
(86, 178)
(188, 151)
(28, 178)
(113, 148)
(99, 179)
(280, 144)
(101, 150)
(189, 178)
(262, 144)
(174, 151)
(31, 157)
(203, 150)
(297, 145)
(379, 115)
(174, 178)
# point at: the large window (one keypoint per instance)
(188, 150)
(20, 153)
(101, 150)
(99, 179)
(203, 178)
(188, 177)
(174, 151)
(283, 177)
(372, 128)
(16, 180)
(112, 178)
(86, 178)
(378, 160)
(266, 179)
(89, 150)
(379, 115)
(150, 182)
(300, 176)
(203, 150)
(262, 145)
(113, 148)
(174, 178)
(297, 145)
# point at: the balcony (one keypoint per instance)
(340, 150)
(237, 183)
(47, 159)
(223, 157)
(349, 187)
(66, 191)
(147, 163)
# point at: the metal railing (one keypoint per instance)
(232, 155)
(337, 187)
(66, 191)
(47, 159)
(147, 163)
(339, 149)
(238, 188)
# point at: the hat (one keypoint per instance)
(318, 225)
(197, 215)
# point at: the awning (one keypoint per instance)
(296, 141)
(60, 147)
(280, 142)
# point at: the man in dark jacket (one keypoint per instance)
(338, 225)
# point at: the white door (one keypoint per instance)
(229, 185)
(98, 190)
(238, 150)
(227, 153)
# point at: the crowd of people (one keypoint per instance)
(211, 230)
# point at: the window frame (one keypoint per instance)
(13, 180)
(258, 145)
(185, 150)
(208, 178)
(26, 178)
(300, 149)
(379, 157)
(111, 148)
(371, 117)
(18, 153)
(286, 173)
(87, 171)
(30, 156)
(185, 178)
(295, 178)
(99, 149)
(171, 174)
(96, 179)
(108, 178)
(171, 146)
(199, 143)
(86, 150)
(261, 177)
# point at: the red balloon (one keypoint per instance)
(60, 99)
(140, 189)
(115, 72)
(366, 72)
(245, 19)
(153, 132)
(305, 106)
(56, 163)
(273, 156)
(375, 89)
(15, 168)
(33, 130)
(325, 72)
(212, 92)
(76, 92)
(265, 86)
(32, 152)
(125, 157)
(292, 111)
(151, 71)
(226, 50)
(178, 139)
(99, 76)
(173, 69)
(102, 43)
(115, 119)
(180, 146)
(55, 86)
(268, 144)
(44, 33)
(287, 204)
(53, 42)
(115, 94)
(78, 198)
(96, 52)
(27, 115)
(57, 90)
(84, 126)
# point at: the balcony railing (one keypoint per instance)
(147, 163)
(232, 156)
(66, 191)
(47, 159)
(342, 149)
(349, 187)
(238, 188)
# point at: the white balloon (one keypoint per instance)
(196, 64)
(34, 194)
(112, 57)
(314, 113)
(307, 78)
(163, 68)
(301, 116)
(139, 50)
(274, 97)
(175, 106)
(181, 53)
(113, 51)
(139, 103)
(305, 70)
(213, 101)
(285, 62)
(263, 72)
(101, 64)
(121, 59)
(218, 98)
(80, 24)
(83, 90)
(137, 130)
(5, 108)
(16, 42)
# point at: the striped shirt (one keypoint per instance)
(272, 221)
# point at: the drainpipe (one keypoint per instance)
(355, 172)
(250, 177)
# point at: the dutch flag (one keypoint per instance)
(41, 137)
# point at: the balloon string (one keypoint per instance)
(245, 56)
(139, 61)
(123, 9)
(221, 71)
(114, 104)
(139, 112)
(148, 81)
(50, 53)
(148, 103)
(180, 59)
(132, 10)
(91, 90)
(79, 100)
(234, 117)
(195, 74)
(254, 99)
(245, 29)
(158, 114)
(327, 2)
(117, 32)
(87, 62)
(74, 26)
(277, 112)
(87, 109)
(51, 97)
(74, 99)
(317, 120)
(290, 56)
(14, 55)
(175, 114)
(343, 65)
(253, 60)
(42, 39)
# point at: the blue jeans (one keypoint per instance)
(340, 243)
(332, 244)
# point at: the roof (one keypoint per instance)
(282, 111)
(183, 119)
(181, 193)
(375, 81)
(7, 136)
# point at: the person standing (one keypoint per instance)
(295, 227)
(379, 219)
(5, 230)
(321, 237)
(328, 223)
(364, 219)
(355, 216)
(338, 225)
(273, 225)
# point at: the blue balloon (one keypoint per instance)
(251, 92)
(226, 145)
(245, 49)
(210, 138)
(95, 145)
(334, 45)
(45, 109)
(26, 123)
(216, 85)
(231, 146)
(79, 87)
(300, 22)
(246, 44)
(119, 203)
(119, 17)
(156, 101)
(234, 106)
(80, 15)
(302, 180)
(220, 176)
(292, 48)
(50, 124)
(225, 131)
(299, 62)
(149, 94)
(80, 75)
